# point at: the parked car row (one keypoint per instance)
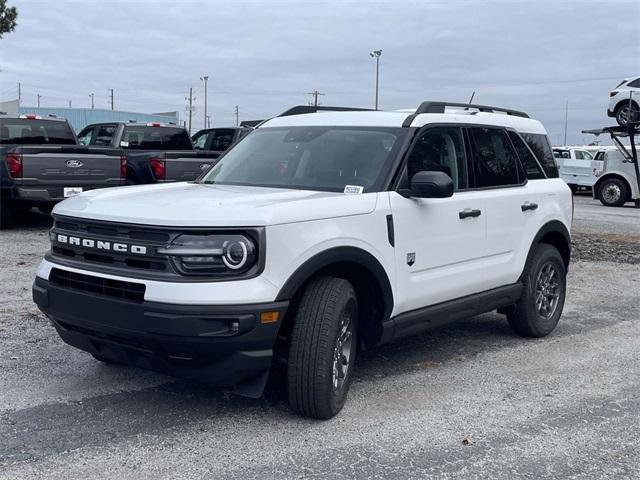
(43, 161)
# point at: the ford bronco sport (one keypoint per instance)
(322, 232)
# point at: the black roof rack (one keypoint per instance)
(439, 107)
(302, 109)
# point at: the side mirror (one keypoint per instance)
(426, 184)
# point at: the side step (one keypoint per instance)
(443, 313)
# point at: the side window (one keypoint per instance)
(200, 141)
(540, 146)
(587, 156)
(578, 154)
(104, 135)
(440, 149)
(84, 137)
(494, 161)
(222, 139)
(635, 83)
(531, 165)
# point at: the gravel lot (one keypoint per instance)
(471, 400)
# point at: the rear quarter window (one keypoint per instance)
(540, 146)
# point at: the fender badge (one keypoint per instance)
(411, 258)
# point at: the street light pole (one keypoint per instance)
(376, 54)
(205, 79)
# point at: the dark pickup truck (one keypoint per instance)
(41, 163)
(155, 152)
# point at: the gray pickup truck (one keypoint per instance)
(155, 152)
(41, 163)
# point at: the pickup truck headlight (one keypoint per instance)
(214, 254)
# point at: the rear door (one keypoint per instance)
(512, 202)
(439, 242)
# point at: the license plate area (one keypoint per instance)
(71, 191)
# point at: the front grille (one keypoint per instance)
(150, 265)
(100, 286)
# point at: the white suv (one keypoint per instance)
(623, 101)
(317, 235)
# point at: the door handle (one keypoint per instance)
(528, 206)
(467, 212)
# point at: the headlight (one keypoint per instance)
(214, 254)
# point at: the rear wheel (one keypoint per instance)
(323, 348)
(626, 113)
(537, 312)
(613, 192)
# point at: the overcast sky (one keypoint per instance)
(531, 55)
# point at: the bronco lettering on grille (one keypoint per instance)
(101, 245)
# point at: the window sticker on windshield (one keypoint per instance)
(124, 144)
(353, 189)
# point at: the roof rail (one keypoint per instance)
(302, 109)
(439, 107)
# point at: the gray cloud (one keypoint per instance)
(265, 56)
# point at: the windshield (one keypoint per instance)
(20, 131)
(310, 158)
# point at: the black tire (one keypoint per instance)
(529, 319)
(613, 192)
(573, 187)
(624, 112)
(6, 217)
(313, 389)
(102, 359)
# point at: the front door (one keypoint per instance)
(439, 242)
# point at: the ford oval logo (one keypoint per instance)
(74, 163)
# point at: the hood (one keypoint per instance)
(192, 204)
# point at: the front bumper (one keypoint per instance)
(221, 345)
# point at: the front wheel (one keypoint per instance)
(537, 312)
(322, 350)
(613, 192)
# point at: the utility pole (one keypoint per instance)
(376, 54)
(315, 95)
(111, 97)
(39, 97)
(237, 115)
(190, 107)
(92, 104)
(19, 93)
(566, 116)
(205, 79)
(69, 103)
(208, 121)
